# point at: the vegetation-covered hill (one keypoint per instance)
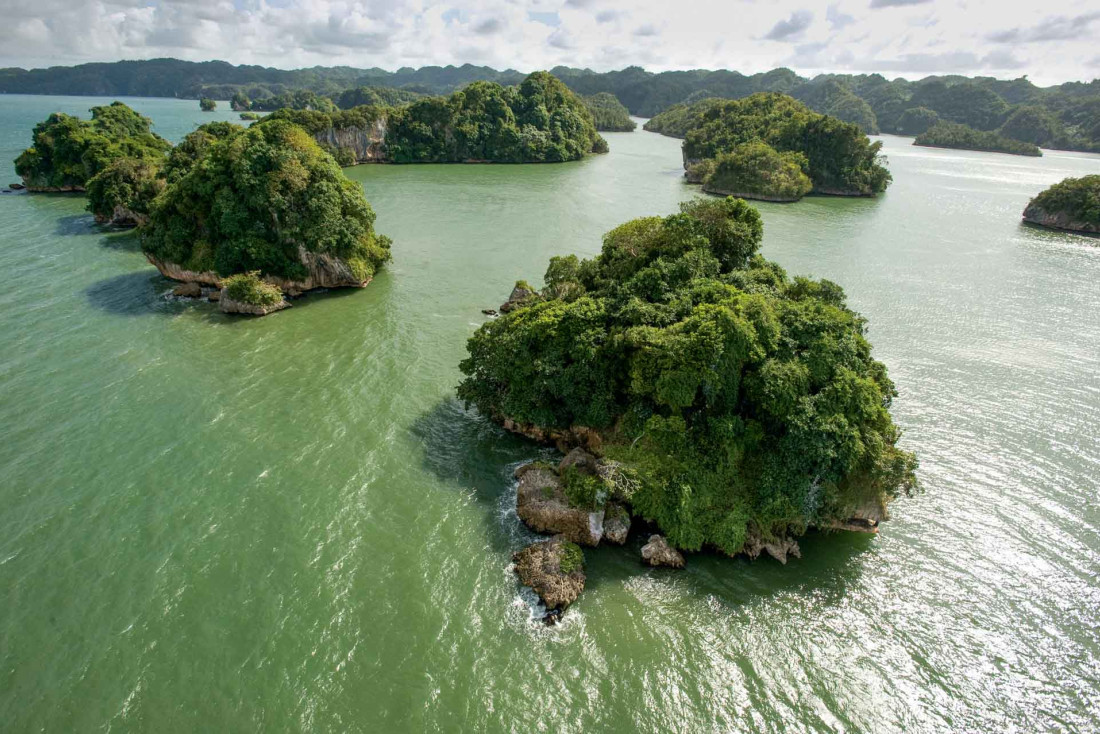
(870, 100)
(952, 135)
(739, 404)
(267, 199)
(67, 151)
(1073, 204)
(609, 114)
(835, 156)
(538, 121)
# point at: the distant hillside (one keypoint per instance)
(1064, 116)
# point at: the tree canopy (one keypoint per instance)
(739, 402)
(608, 113)
(540, 120)
(952, 135)
(246, 200)
(838, 156)
(68, 151)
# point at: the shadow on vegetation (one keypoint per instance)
(469, 452)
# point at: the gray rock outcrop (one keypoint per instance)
(543, 507)
(1034, 214)
(554, 569)
(228, 305)
(657, 552)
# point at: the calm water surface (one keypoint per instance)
(288, 524)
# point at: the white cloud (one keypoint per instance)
(896, 37)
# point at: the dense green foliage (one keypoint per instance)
(679, 118)
(1079, 198)
(952, 135)
(1031, 124)
(984, 103)
(375, 97)
(538, 121)
(242, 200)
(314, 121)
(839, 157)
(128, 184)
(300, 99)
(609, 114)
(916, 121)
(756, 170)
(250, 288)
(740, 402)
(68, 151)
(571, 558)
(250, 115)
(240, 101)
(207, 105)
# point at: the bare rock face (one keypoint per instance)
(367, 144)
(520, 295)
(187, 290)
(780, 549)
(864, 519)
(324, 271)
(16, 186)
(122, 217)
(543, 507)
(228, 305)
(580, 459)
(616, 524)
(657, 552)
(555, 570)
(564, 439)
(1057, 220)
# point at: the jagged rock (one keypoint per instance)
(583, 461)
(864, 519)
(616, 524)
(214, 295)
(368, 145)
(780, 549)
(187, 290)
(565, 440)
(1035, 214)
(228, 305)
(489, 311)
(657, 552)
(555, 570)
(122, 217)
(520, 295)
(543, 507)
(16, 186)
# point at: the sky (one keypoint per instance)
(1050, 42)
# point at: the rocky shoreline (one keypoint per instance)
(1035, 214)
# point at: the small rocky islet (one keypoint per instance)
(1072, 205)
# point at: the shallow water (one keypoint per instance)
(288, 523)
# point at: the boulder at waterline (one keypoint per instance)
(543, 506)
(657, 552)
(554, 569)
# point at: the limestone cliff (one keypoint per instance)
(366, 145)
(324, 271)
(1035, 214)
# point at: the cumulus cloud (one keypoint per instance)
(1058, 28)
(793, 26)
(897, 3)
(975, 36)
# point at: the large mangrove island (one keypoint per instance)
(729, 405)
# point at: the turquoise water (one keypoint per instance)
(288, 523)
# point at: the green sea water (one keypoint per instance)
(289, 524)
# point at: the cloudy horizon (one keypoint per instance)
(1051, 43)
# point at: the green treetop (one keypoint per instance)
(247, 200)
(68, 151)
(738, 402)
(609, 113)
(207, 105)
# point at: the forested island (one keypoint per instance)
(696, 387)
(951, 135)
(1065, 116)
(609, 114)
(538, 121)
(1073, 204)
(772, 147)
(249, 214)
